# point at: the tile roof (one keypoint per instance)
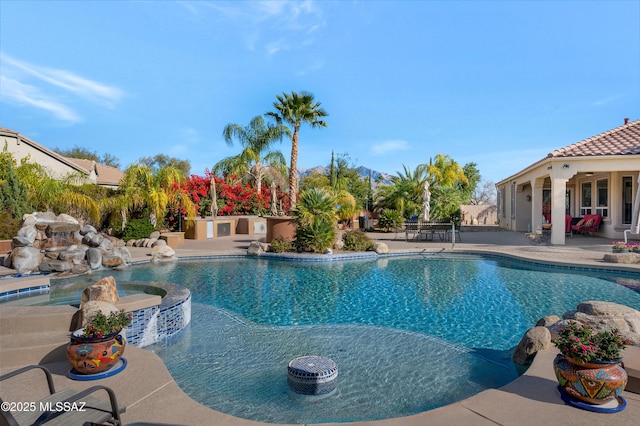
(623, 140)
(105, 175)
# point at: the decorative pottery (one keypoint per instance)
(90, 355)
(620, 250)
(595, 382)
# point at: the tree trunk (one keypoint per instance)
(293, 168)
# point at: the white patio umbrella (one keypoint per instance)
(426, 200)
(274, 199)
(214, 197)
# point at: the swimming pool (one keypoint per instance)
(408, 333)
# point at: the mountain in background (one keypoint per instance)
(377, 178)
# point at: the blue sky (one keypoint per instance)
(498, 83)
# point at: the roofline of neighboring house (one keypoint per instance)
(12, 133)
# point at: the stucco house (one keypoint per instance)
(57, 165)
(596, 176)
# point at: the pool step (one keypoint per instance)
(35, 319)
(32, 348)
(31, 334)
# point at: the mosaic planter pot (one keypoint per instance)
(595, 382)
(89, 355)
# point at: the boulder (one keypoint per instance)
(626, 258)
(606, 316)
(29, 232)
(89, 309)
(80, 268)
(111, 260)
(547, 321)
(162, 253)
(21, 242)
(123, 253)
(155, 235)
(255, 248)
(105, 245)
(104, 290)
(88, 229)
(75, 256)
(380, 248)
(534, 340)
(94, 258)
(55, 265)
(159, 243)
(25, 259)
(338, 244)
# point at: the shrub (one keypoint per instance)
(137, 229)
(390, 219)
(280, 245)
(357, 240)
(316, 237)
(9, 225)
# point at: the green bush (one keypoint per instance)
(316, 237)
(9, 226)
(280, 245)
(137, 229)
(390, 219)
(357, 240)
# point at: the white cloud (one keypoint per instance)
(33, 85)
(389, 146)
(23, 94)
(264, 26)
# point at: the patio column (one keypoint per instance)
(536, 204)
(558, 211)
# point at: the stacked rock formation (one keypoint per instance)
(49, 243)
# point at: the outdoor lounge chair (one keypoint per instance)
(65, 407)
(588, 224)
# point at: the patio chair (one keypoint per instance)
(65, 407)
(588, 224)
(411, 229)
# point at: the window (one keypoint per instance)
(627, 200)
(602, 196)
(585, 198)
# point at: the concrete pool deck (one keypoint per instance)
(151, 396)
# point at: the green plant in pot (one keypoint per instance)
(588, 367)
(99, 345)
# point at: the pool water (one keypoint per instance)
(408, 333)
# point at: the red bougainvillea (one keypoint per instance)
(233, 200)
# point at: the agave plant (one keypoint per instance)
(315, 219)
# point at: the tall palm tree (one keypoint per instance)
(296, 109)
(256, 158)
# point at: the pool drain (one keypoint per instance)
(312, 375)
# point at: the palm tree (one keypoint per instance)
(142, 186)
(315, 219)
(296, 109)
(405, 194)
(256, 158)
(57, 195)
(444, 171)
